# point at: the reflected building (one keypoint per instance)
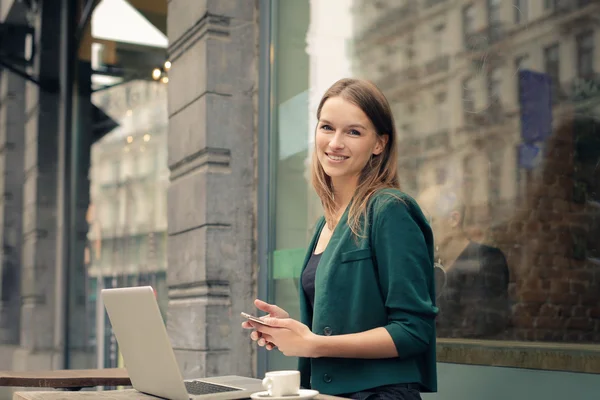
(457, 77)
(128, 214)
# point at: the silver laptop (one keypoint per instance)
(148, 355)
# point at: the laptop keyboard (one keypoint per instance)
(200, 387)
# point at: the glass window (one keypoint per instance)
(493, 11)
(552, 68)
(494, 85)
(127, 214)
(441, 109)
(468, 20)
(129, 227)
(468, 95)
(438, 40)
(585, 54)
(518, 173)
(521, 62)
(552, 62)
(521, 8)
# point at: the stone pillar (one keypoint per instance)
(39, 268)
(212, 195)
(12, 132)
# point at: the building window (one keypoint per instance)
(493, 9)
(521, 11)
(441, 107)
(521, 62)
(469, 186)
(438, 40)
(552, 68)
(468, 96)
(552, 62)
(440, 98)
(468, 19)
(585, 54)
(495, 158)
(494, 85)
(410, 54)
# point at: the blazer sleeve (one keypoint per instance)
(403, 245)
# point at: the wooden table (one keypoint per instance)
(128, 394)
(72, 379)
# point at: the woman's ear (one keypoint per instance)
(380, 145)
(455, 219)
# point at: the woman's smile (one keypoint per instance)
(336, 158)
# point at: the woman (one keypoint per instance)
(367, 296)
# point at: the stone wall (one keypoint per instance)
(212, 195)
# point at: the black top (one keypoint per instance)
(308, 278)
(474, 300)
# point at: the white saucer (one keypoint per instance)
(303, 394)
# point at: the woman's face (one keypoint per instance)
(345, 139)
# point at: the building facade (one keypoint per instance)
(186, 167)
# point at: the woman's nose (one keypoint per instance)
(337, 141)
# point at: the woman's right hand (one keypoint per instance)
(272, 311)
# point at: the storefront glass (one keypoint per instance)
(126, 219)
(127, 213)
(496, 107)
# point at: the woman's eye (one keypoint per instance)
(354, 132)
(326, 127)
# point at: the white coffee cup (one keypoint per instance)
(282, 383)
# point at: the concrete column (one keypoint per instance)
(212, 196)
(39, 268)
(12, 132)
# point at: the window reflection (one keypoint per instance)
(493, 151)
(127, 216)
(496, 104)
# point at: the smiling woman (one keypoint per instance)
(367, 293)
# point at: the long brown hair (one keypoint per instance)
(380, 172)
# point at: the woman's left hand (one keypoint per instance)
(291, 337)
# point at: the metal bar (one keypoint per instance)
(68, 54)
(86, 15)
(20, 73)
(264, 128)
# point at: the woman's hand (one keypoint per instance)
(272, 312)
(292, 337)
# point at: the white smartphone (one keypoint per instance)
(253, 318)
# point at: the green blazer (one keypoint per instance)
(384, 279)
